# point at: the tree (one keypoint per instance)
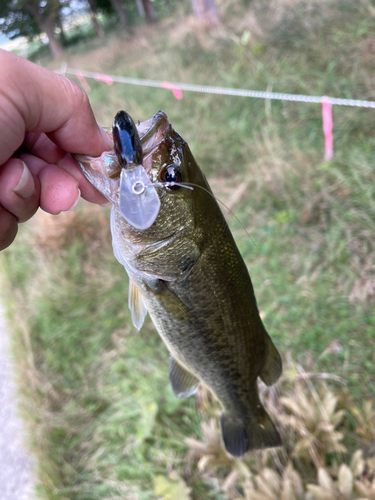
(206, 11)
(119, 8)
(45, 15)
(149, 11)
(140, 8)
(93, 14)
(17, 23)
(60, 27)
(29, 18)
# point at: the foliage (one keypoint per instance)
(30, 18)
(268, 485)
(16, 20)
(25, 18)
(105, 6)
(285, 474)
(172, 487)
(314, 421)
(365, 417)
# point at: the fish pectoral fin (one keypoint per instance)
(136, 305)
(272, 367)
(183, 383)
(169, 301)
(239, 438)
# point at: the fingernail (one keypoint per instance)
(108, 204)
(108, 141)
(74, 204)
(26, 186)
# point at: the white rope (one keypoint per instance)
(226, 91)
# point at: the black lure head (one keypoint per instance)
(126, 140)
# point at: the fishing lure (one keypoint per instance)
(139, 201)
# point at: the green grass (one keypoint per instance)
(102, 401)
(103, 419)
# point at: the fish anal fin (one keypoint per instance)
(239, 438)
(136, 305)
(183, 383)
(272, 367)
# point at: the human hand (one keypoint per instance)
(50, 117)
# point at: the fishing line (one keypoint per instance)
(141, 210)
(171, 184)
(188, 184)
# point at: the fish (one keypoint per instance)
(186, 271)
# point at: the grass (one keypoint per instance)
(103, 420)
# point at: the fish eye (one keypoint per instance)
(171, 174)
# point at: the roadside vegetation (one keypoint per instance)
(104, 423)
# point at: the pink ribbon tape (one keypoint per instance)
(175, 90)
(327, 128)
(83, 81)
(104, 78)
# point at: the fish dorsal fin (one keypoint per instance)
(272, 367)
(136, 305)
(183, 383)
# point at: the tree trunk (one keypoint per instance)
(149, 11)
(54, 45)
(141, 10)
(206, 11)
(63, 38)
(117, 5)
(46, 24)
(97, 28)
(95, 23)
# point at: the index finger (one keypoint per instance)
(33, 99)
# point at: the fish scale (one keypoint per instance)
(187, 272)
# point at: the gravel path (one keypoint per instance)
(15, 465)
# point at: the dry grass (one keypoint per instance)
(307, 417)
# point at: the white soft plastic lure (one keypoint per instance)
(139, 201)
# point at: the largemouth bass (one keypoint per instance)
(186, 271)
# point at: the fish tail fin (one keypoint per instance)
(240, 437)
(272, 367)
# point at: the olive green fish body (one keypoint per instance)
(187, 272)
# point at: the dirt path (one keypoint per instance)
(15, 465)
